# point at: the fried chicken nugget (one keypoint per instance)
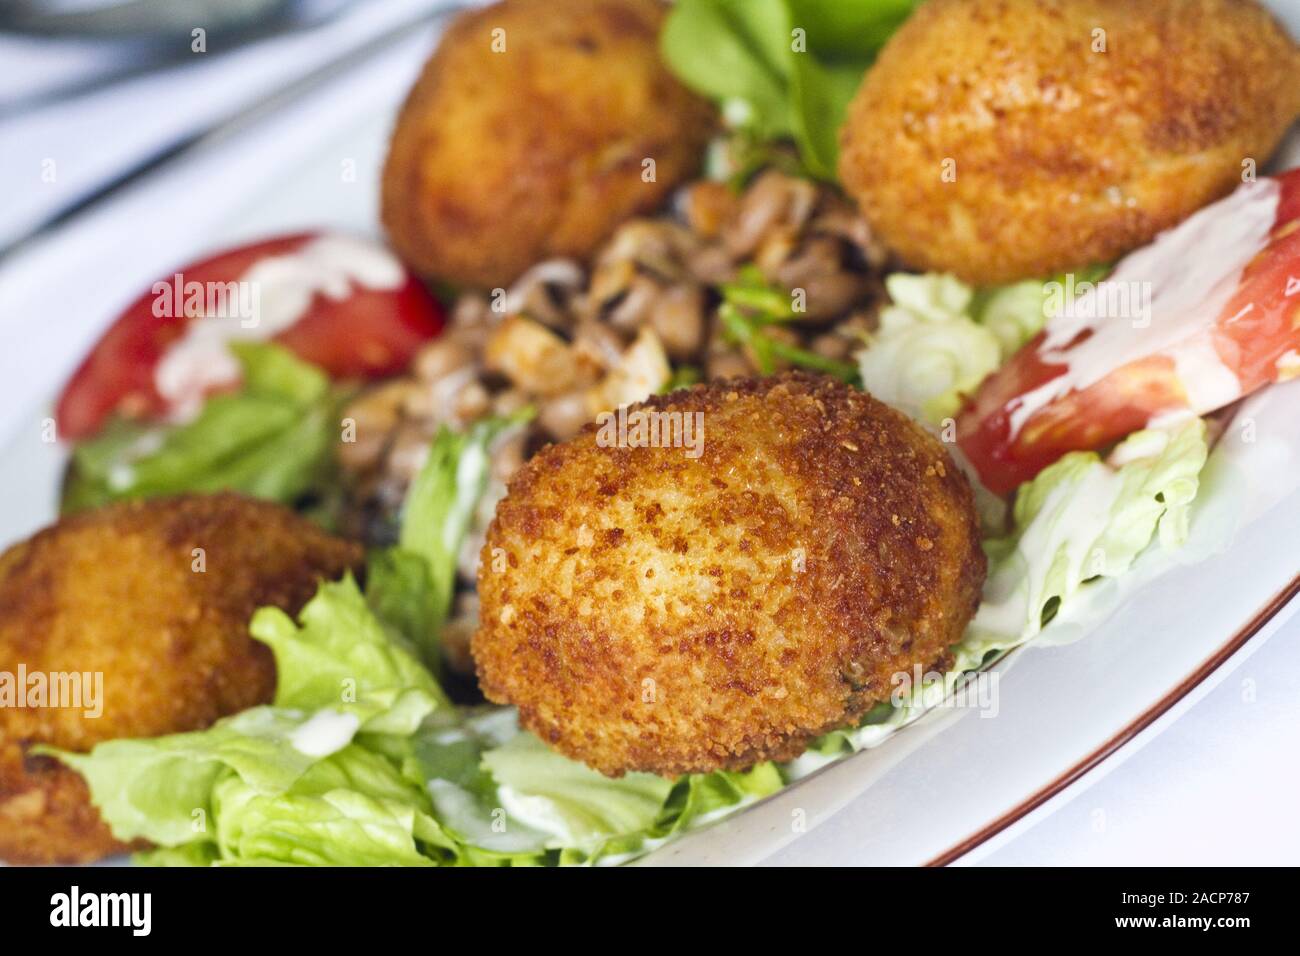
(527, 134)
(122, 592)
(1017, 139)
(649, 610)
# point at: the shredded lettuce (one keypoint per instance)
(928, 351)
(1081, 519)
(270, 439)
(940, 338)
(1013, 313)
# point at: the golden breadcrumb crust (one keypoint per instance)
(649, 611)
(1063, 155)
(502, 159)
(114, 591)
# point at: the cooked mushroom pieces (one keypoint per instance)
(571, 342)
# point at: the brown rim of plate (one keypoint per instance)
(1141, 723)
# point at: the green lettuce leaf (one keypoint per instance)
(781, 68)
(270, 439)
(511, 799)
(411, 585)
(1013, 313)
(1081, 519)
(1016, 313)
(704, 796)
(578, 807)
(339, 657)
(321, 775)
(734, 51)
(160, 788)
(187, 854)
(928, 351)
(352, 809)
(939, 338)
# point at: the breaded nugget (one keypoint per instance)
(1009, 139)
(649, 610)
(527, 133)
(118, 592)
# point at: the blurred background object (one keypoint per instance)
(78, 45)
(94, 93)
(123, 18)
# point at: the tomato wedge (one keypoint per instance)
(1206, 314)
(343, 303)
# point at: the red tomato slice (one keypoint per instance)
(370, 333)
(1010, 432)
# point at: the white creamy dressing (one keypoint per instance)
(1144, 444)
(122, 474)
(539, 813)
(283, 289)
(471, 470)
(1287, 365)
(1192, 272)
(325, 732)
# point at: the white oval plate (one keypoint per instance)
(921, 797)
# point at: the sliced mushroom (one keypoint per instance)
(456, 398)
(531, 356)
(843, 221)
(564, 415)
(369, 420)
(633, 309)
(596, 347)
(656, 246)
(829, 288)
(609, 282)
(473, 310)
(728, 363)
(507, 453)
(510, 401)
(713, 265)
(774, 200)
(546, 291)
(678, 319)
(642, 371)
(408, 452)
(708, 207)
(441, 357)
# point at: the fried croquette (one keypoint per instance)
(156, 597)
(535, 129)
(1020, 138)
(681, 610)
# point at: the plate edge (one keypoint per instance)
(1144, 720)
